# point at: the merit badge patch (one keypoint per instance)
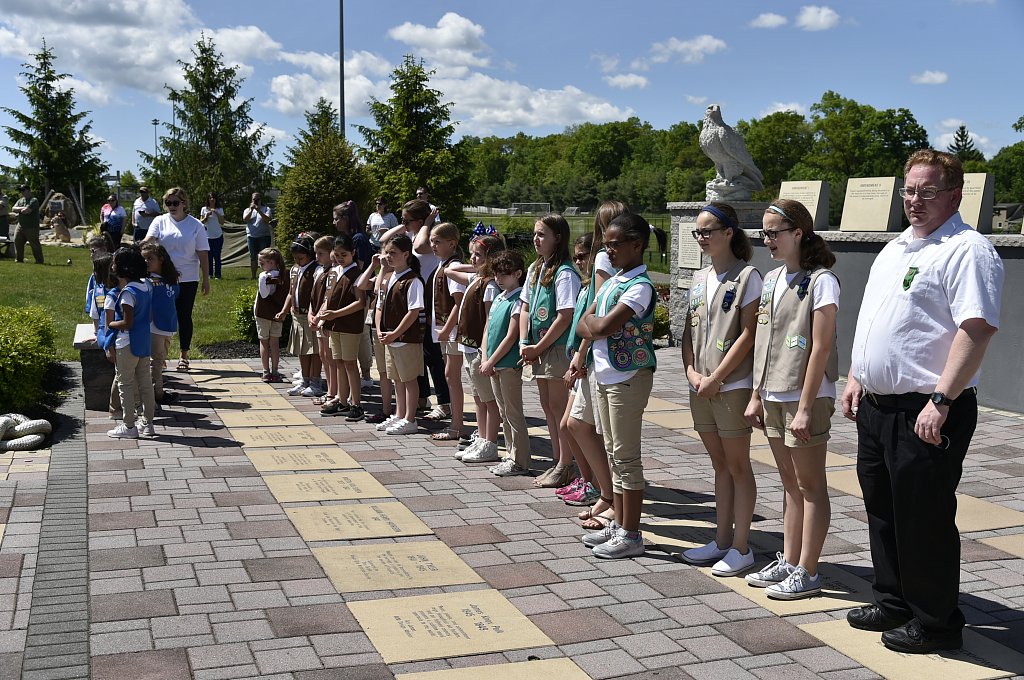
(542, 313)
(909, 278)
(724, 345)
(793, 341)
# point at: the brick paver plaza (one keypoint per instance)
(223, 549)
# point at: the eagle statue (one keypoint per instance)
(737, 176)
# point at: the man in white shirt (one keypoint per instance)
(930, 307)
(144, 210)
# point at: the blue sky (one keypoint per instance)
(536, 66)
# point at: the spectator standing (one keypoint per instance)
(5, 223)
(27, 212)
(112, 219)
(257, 229)
(212, 217)
(144, 210)
(379, 222)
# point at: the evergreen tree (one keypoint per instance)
(323, 173)
(963, 146)
(213, 144)
(412, 146)
(1019, 125)
(52, 142)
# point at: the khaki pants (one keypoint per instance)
(134, 380)
(365, 353)
(507, 384)
(621, 408)
(161, 347)
(31, 234)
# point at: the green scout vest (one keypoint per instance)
(632, 347)
(782, 344)
(497, 328)
(716, 324)
(583, 302)
(543, 307)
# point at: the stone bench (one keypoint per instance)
(5, 246)
(97, 371)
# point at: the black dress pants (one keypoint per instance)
(433, 362)
(910, 495)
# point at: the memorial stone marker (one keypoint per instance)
(976, 206)
(872, 204)
(813, 195)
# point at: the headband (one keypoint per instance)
(779, 211)
(722, 217)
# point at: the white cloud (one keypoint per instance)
(607, 62)
(277, 134)
(815, 18)
(768, 20)
(951, 123)
(930, 78)
(452, 46)
(626, 81)
(776, 107)
(698, 101)
(89, 93)
(690, 51)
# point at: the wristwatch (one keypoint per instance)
(940, 399)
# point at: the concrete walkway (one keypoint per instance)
(179, 558)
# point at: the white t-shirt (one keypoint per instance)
(490, 292)
(149, 205)
(603, 263)
(183, 240)
(638, 297)
(214, 225)
(378, 225)
(826, 292)
(567, 289)
(428, 264)
(413, 296)
(752, 294)
(266, 289)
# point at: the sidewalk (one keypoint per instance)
(324, 550)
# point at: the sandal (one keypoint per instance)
(440, 412)
(322, 401)
(556, 477)
(592, 511)
(448, 435)
(183, 364)
(597, 521)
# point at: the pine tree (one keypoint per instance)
(411, 145)
(52, 142)
(963, 147)
(213, 144)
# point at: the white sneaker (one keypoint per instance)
(314, 390)
(508, 468)
(403, 427)
(798, 584)
(775, 572)
(600, 536)
(298, 389)
(384, 425)
(473, 446)
(733, 564)
(148, 430)
(486, 452)
(122, 431)
(619, 547)
(706, 554)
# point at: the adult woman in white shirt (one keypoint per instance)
(212, 217)
(187, 244)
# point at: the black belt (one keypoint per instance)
(907, 401)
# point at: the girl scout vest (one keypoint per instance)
(443, 300)
(782, 344)
(583, 302)
(543, 307)
(395, 308)
(139, 336)
(301, 281)
(471, 315)
(497, 328)
(340, 293)
(715, 324)
(165, 314)
(319, 290)
(632, 347)
(267, 307)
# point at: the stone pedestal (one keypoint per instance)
(686, 256)
(97, 371)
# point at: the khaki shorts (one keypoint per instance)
(345, 346)
(404, 363)
(449, 348)
(479, 385)
(301, 341)
(722, 414)
(379, 355)
(583, 403)
(268, 328)
(778, 416)
(551, 365)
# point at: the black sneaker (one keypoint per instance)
(355, 413)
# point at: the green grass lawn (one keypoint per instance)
(60, 289)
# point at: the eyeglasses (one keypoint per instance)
(705, 233)
(618, 244)
(924, 193)
(172, 204)
(406, 220)
(581, 257)
(772, 234)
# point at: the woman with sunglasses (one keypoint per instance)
(795, 370)
(187, 244)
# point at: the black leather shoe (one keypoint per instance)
(873, 618)
(910, 639)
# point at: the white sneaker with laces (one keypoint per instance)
(147, 429)
(706, 554)
(775, 572)
(403, 427)
(734, 563)
(486, 452)
(297, 389)
(314, 390)
(122, 431)
(797, 585)
(384, 425)
(508, 468)
(619, 547)
(601, 535)
(473, 446)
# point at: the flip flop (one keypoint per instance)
(445, 436)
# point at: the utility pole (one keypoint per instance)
(341, 64)
(155, 122)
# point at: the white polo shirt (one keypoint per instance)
(918, 293)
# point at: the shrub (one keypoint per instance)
(242, 319)
(27, 347)
(661, 321)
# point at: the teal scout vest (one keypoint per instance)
(497, 328)
(583, 302)
(631, 348)
(543, 308)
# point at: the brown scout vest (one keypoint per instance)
(783, 340)
(395, 307)
(267, 307)
(443, 300)
(716, 324)
(341, 292)
(472, 316)
(319, 291)
(305, 286)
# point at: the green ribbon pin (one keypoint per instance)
(909, 278)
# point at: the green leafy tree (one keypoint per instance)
(963, 147)
(323, 172)
(52, 142)
(1019, 125)
(411, 144)
(213, 144)
(1008, 168)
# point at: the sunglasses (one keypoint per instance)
(172, 204)
(580, 257)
